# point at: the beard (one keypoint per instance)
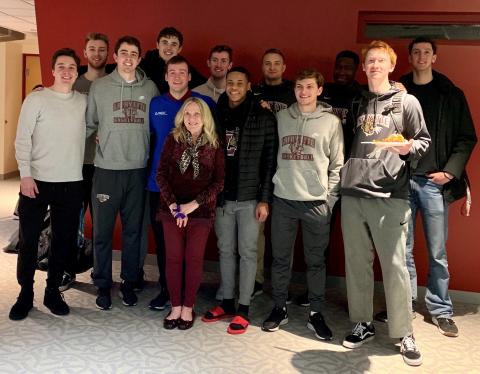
(97, 64)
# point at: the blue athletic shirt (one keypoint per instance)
(163, 110)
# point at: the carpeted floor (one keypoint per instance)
(132, 340)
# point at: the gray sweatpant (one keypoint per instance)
(315, 219)
(236, 226)
(381, 225)
(117, 191)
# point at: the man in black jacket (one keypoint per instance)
(439, 178)
(169, 44)
(341, 92)
(248, 133)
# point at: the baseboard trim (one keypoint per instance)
(332, 281)
(456, 295)
(12, 174)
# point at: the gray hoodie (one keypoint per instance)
(310, 155)
(371, 172)
(119, 112)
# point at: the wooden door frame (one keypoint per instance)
(24, 62)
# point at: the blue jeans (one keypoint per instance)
(427, 197)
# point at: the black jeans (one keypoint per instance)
(87, 172)
(64, 199)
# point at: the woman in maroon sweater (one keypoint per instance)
(190, 176)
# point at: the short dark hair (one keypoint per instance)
(128, 40)
(169, 32)
(178, 59)
(97, 36)
(240, 69)
(422, 39)
(310, 73)
(65, 52)
(348, 54)
(274, 50)
(221, 48)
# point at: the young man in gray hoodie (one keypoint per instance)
(375, 207)
(118, 110)
(307, 183)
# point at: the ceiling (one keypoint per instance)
(19, 15)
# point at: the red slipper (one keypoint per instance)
(238, 325)
(215, 314)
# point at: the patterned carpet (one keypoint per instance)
(132, 340)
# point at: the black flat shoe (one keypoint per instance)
(185, 325)
(170, 324)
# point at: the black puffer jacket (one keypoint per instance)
(455, 137)
(258, 150)
(153, 65)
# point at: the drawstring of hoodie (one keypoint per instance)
(301, 131)
(121, 97)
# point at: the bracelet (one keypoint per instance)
(179, 215)
(446, 176)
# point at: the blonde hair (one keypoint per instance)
(209, 134)
(380, 44)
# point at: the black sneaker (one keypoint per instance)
(317, 324)
(408, 349)
(43, 264)
(383, 317)
(104, 299)
(67, 282)
(361, 333)
(127, 294)
(289, 299)
(139, 284)
(54, 301)
(303, 300)
(160, 302)
(277, 318)
(257, 289)
(22, 306)
(446, 326)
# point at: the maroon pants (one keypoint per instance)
(186, 244)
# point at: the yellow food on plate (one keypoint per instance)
(392, 138)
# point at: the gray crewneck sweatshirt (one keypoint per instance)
(310, 155)
(50, 138)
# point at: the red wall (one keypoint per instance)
(309, 36)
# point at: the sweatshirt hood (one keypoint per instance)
(140, 78)
(320, 110)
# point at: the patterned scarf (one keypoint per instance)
(190, 155)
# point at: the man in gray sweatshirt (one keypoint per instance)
(51, 175)
(307, 184)
(118, 107)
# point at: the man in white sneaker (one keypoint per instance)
(375, 207)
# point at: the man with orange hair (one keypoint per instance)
(375, 205)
